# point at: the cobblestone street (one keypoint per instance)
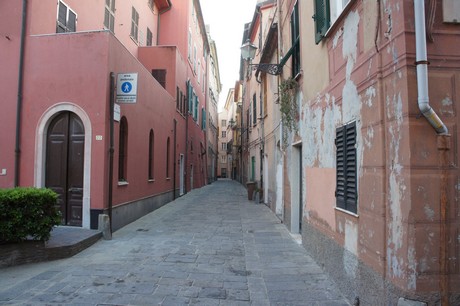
(209, 247)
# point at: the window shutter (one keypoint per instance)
(340, 164)
(322, 19)
(190, 98)
(203, 118)
(351, 168)
(346, 185)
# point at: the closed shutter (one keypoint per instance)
(322, 19)
(346, 186)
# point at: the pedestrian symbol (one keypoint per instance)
(126, 87)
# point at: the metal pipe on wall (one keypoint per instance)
(20, 93)
(422, 69)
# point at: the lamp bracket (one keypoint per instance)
(273, 69)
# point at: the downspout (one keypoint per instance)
(443, 144)
(186, 138)
(111, 145)
(20, 89)
(422, 69)
(175, 163)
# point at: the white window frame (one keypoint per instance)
(134, 34)
(336, 9)
(65, 26)
(111, 12)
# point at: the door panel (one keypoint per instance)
(64, 165)
(76, 148)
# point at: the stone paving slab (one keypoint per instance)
(209, 247)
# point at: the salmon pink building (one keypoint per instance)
(104, 102)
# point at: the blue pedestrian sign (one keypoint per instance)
(127, 88)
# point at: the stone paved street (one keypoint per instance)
(210, 247)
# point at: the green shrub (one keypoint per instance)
(27, 213)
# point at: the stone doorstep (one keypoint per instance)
(64, 242)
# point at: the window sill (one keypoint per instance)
(123, 183)
(168, 178)
(347, 212)
(151, 180)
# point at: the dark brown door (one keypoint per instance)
(64, 165)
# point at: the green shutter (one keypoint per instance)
(322, 19)
(189, 97)
(203, 118)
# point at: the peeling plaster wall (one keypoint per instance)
(394, 242)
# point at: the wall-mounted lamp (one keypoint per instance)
(248, 53)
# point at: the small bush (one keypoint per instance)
(27, 213)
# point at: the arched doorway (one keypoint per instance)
(65, 150)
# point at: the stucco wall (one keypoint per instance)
(395, 234)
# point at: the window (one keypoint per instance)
(346, 185)
(109, 15)
(160, 76)
(194, 59)
(224, 146)
(195, 109)
(134, 24)
(223, 123)
(167, 156)
(183, 103)
(149, 37)
(203, 118)
(295, 34)
(123, 150)
(326, 12)
(224, 134)
(66, 19)
(151, 152)
(190, 44)
(178, 97)
(254, 109)
(265, 96)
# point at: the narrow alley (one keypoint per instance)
(209, 247)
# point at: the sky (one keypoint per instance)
(227, 20)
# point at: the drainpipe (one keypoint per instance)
(422, 69)
(111, 148)
(175, 163)
(19, 100)
(443, 143)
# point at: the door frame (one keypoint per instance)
(40, 152)
(296, 179)
(181, 175)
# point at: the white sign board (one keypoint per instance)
(127, 88)
(116, 112)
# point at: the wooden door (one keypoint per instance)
(64, 165)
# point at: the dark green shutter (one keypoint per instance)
(346, 173)
(322, 19)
